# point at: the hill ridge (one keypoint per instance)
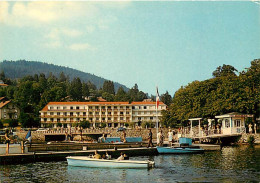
(20, 68)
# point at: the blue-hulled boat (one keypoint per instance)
(105, 163)
(179, 150)
(185, 147)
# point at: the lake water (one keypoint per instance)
(231, 164)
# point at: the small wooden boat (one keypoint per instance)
(179, 150)
(105, 163)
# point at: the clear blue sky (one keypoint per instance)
(168, 44)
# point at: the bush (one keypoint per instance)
(1, 125)
(103, 125)
(251, 139)
(84, 124)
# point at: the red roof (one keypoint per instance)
(146, 103)
(2, 104)
(99, 103)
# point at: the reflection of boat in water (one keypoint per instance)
(185, 147)
(105, 163)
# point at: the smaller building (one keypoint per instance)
(233, 123)
(8, 110)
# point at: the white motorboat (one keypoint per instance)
(105, 163)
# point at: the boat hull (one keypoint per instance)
(103, 163)
(179, 150)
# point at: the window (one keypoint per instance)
(109, 107)
(64, 107)
(237, 122)
(121, 107)
(90, 113)
(71, 107)
(58, 120)
(103, 107)
(97, 113)
(109, 113)
(58, 113)
(65, 114)
(121, 113)
(84, 113)
(121, 118)
(71, 114)
(127, 107)
(133, 107)
(96, 107)
(109, 118)
(115, 107)
(45, 119)
(90, 107)
(77, 107)
(58, 107)
(227, 124)
(145, 107)
(90, 119)
(97, 118)
(103, 119)
(127, 112)
(103, 113)
(51, 119)
(139, 118)
(51, 113)
(151, 118)
(51, 108)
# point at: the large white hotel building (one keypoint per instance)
(114, 114)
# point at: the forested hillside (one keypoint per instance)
(228, 91)
(21, 68)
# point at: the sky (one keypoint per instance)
(166, 44)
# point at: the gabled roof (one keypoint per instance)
(234, 114)
(2, 104)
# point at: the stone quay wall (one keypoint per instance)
(40, 136)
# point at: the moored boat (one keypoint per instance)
(179, 150)
(185, 147)
(105, 163)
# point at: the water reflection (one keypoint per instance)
(231, 164)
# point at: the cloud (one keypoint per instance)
(80, 46)
(38, 13)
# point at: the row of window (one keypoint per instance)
(89, 107)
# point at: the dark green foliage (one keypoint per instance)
(166, 98)
(13, 123)
(22, 68)
(28, 120)
(251, 139)
(84, 124)
(75, 90)
(108, 87)
(102, 125)
(225, 70)
(59, 125)
(225, 93)
(1, 124)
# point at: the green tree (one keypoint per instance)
(225, 70)
(84, 124)
(75, 89)
(108, 87)
(166, 98)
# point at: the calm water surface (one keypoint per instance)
(231, 164)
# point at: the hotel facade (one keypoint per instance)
(113, 114)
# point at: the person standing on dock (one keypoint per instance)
(170, 137)
(150, 139)
(7, 141)
(124, 136)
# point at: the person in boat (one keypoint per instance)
(170, 137)
(126, 157)
(121, 157)
(97, 156)
(150, 139)
(108, 156)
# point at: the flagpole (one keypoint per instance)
(156, 106)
